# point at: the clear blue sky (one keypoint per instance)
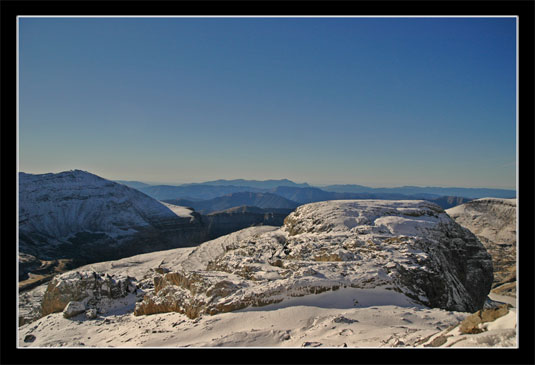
(371, 101)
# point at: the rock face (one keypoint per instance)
(412, 247)
(80, 216)
(73, 292)
(493, 221)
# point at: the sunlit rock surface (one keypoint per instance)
(411, 247)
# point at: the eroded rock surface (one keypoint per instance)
(412, 247)
(85, 289)
(493, 221)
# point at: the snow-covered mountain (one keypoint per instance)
(78, 215)
(493, 221)
(339, 273)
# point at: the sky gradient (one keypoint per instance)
(371, 101)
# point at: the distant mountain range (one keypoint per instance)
(260, 200)
(472, 193)
(264, 184)
(288, 198)
(305, 193)
(193, 192)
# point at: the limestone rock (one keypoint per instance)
(493, 221)
(471, 324)
(412, 247)
(73, 308)
(88, 287)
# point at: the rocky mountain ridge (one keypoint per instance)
(80, 216)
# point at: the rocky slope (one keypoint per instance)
(80, 216)
(493, 221)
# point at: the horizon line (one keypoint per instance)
(317, 185)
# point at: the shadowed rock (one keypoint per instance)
(493, 221)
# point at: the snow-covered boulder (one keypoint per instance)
(412, 247)
(89, 288)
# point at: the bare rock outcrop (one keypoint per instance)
(82, 290)
(472, 323)
(412, 247)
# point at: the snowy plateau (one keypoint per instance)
(346, 273)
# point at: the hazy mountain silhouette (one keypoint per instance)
(260, 200)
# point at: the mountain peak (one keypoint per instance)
(65, 213)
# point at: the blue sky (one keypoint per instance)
(371, 101)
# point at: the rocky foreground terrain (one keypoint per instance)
(493, 221)
(338, 273)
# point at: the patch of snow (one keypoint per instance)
(180, 211)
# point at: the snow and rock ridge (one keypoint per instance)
(411, 247)
(76, 214)
(337, 274)
(493, 221)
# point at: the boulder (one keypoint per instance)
(29, 338)
(91, 313)
(73, 308)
